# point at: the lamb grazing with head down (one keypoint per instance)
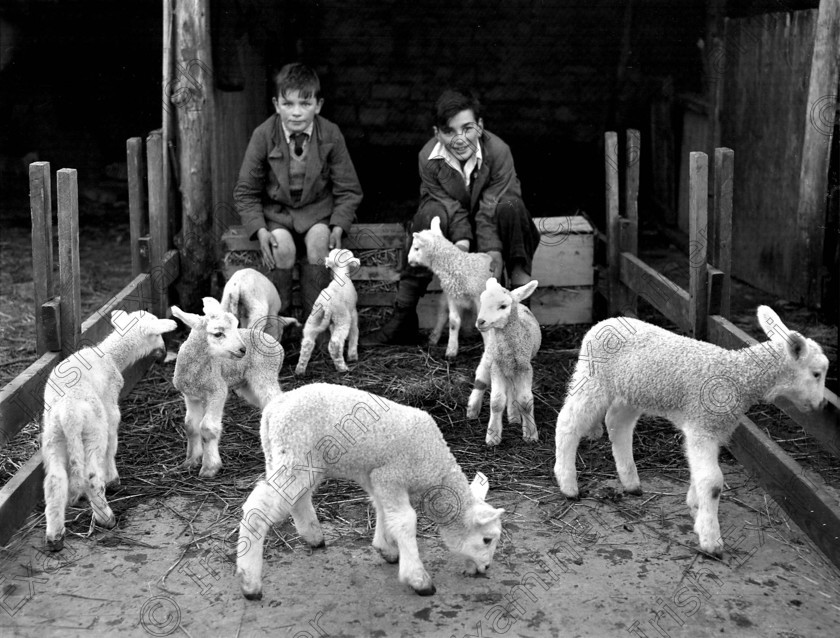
(253, 299)
(79, 438)
(218, 356)
(628, 367)
(511, 340)
(462, 277)
(399, 457)
(336, 309)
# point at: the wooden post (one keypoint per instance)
(613, 243)
(68, 260)
(194, 114)
(40, 205)
(159, 239)
(629, 227)
(722, 246)
(698, 199)
(136, 203)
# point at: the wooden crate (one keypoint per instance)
(563, 265)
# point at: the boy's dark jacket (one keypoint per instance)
(331, 189)
(496, 178)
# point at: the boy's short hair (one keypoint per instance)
(453, 101)
(297, 77)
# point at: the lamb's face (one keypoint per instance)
(419, 253)
(805, 385)
(223, 338)
(495, 308)
(341, 260)
(477, 539)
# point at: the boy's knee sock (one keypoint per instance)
(282, 280)
(412, 286)
(313, 279)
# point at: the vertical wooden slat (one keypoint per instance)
(40, 205)
(68, 260)
(613, 243)
(158, 223)
(629, 237)
(722, 246)
(136, 201)
(698, 172)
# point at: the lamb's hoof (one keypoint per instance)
(190, 463)
(352, 358)
(256, 595)
(472, 413)
(300, 371)
(635, 491)
(321, 545)
(110, 523)
(426, 591)
(389, 557)
(451, 356)
(342, 369)
(492, 441)
(209, 471)
(113, 483)
(715, 553)
(531, 438)
(57, 544)
(571, 496)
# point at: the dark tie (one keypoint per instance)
(298, 139)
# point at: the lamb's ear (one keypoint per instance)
(436, 226)
(770, 323)
(486, 515)
(160, 326)
(212, 306)
(479, 486)
(523, 292)
(797, 345)
(187, 317)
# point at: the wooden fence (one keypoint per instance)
(59, 329)
(703, 312)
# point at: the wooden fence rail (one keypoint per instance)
(60, 333)
(702, 312)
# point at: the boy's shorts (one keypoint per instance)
(299, 238)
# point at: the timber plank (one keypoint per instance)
(40, 205)
(136, 203)
(68, 260)
(662, 293)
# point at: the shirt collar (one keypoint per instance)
(288, 135)
(474, 163)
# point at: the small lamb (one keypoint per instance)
(79, 438)
(512, 339)
(628, 367)
(253, 299)
(336, 309)
(216, 357)
(462, 277)
(399, 457)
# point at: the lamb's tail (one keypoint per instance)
(325, 319)
(72, 420)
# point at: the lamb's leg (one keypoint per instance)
(524, 404)
(211, 434)
(440, 321)
(192, 425)
(498, 401)
(306, 521)
(381, 540)
(337, 339)
(482, 381)
(264, 507)
(307, 345)
(353, 338)
(454, 329)
(621, 420)
(580, 416)
(112, 477)
(707, 483)
(401, 523)
(94, 485)
(56, 488)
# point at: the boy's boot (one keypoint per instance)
(403, 327)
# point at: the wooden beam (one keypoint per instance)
(159, 239)
(662, 293)
(698, 201)
(68, 260)
(807, 503)
(137, 215)
(721, 246)
(40, 205)
(613, 245)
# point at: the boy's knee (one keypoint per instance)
(285, 252)
(317, 244)
(511, 208)
(422, 219)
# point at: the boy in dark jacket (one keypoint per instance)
(297, 188)
(467, 179)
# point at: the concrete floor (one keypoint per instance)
(606, 566)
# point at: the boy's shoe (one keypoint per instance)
(402, 329)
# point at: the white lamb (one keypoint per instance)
(628, 367)
(79, 439)
(218, 356)
(336, 309)
(462, 277)
(511, 340)
(253, 299)
(396, 453)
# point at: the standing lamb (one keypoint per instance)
(511, 340)
(462, 277)
(252, 298)
(399, 457)
(335, 308)
(628, 367)
(216, 357)
(81, 418)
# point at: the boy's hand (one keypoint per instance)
(463, 245)
(335, 237)
(267, 246)
(495, 263)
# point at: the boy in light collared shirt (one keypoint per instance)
(467, 178)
